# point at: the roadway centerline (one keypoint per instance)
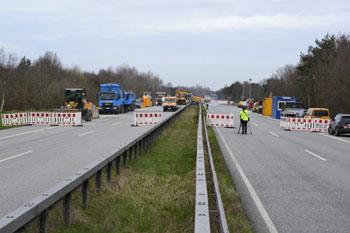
(274, 134)
(271, 227)
(317, 156)
(85, 133)
(15, 156)
(20, 134)
(343, 140)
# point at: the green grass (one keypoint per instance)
(236, 218)
(155, 194)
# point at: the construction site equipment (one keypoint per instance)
(111, 99)
(267, 107)
(146, 100)
(279, 104)
(130, 101)
(196, 100)
(293, 109)
(220, 120)
(169, 104)
(41, 118)
(306, 124)
(248, 126)
(159, 96)
(181, 97)
(75, 101)
(142, 118)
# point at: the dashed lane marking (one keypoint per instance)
(317, 156)
(255, 124)
(117, 123)
(274, 134)
(85, 133)
(15, 156)
(339, 139)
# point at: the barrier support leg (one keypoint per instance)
(124, 159)
(43, 221)
(98, 181)
(130, 154)
(109, 172)
(117, 165)
(85, 192)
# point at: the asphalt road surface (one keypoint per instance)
(35, 158)
(289, 181)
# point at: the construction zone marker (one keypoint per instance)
(147, 118)
(220, 120)
(306, 124)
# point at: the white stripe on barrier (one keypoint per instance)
(220, 120)
(308, 124)
(147, 118)
(41, 118)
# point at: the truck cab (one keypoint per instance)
(159, 97)
(130, 101)
(293, 109)
(111, 99)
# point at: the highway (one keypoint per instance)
(289, 181)
(35, 158)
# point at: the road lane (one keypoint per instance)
(58, 152)
(300, 192)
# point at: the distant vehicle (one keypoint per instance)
(130, 101)
(196, 100)
(182, 97)
(146, 100)
(207, 99)
(293, 109)
(111, 99)
(322, 113)
(137, 103)
(159, 97)
(169, 104)
(340, 124)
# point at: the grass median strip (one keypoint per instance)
(155, 194)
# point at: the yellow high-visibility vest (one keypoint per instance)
(244, 115)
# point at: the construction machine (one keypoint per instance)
(182, 97)
(75, 101)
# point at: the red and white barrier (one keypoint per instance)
(41, 118)
(308, 124)
(220, 120)
(14, 119)
(147, 118)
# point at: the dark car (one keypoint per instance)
(340, 124)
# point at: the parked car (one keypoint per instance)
(340, 124)
(322, 113)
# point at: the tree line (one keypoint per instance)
(321, 78)
(40, 84)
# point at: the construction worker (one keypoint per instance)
(244, 115)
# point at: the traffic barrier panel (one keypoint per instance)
(147, 118)
(41, 118)
(220, 120)
(12, 119)
(307, 124)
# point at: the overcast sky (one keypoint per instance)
(185, 42)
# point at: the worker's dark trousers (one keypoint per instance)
(244, 126)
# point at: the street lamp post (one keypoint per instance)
(250, 88)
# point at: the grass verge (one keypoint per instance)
(155, 194)
(236, 218)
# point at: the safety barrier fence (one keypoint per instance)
(219, 205)
(202, 218)
(37, 209)
(143, 118)
(306, 124)
(220, 120)
(41, 118)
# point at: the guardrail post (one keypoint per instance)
(117, 166)
(85, 192)
(109, 172)
(67, 208)
(135, 150)
(98, 181)
(124, 159)
(43, 221)
(130, 154)
(140, 147)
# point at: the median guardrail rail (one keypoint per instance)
(220, 207)
(202, 218)
(37, 209)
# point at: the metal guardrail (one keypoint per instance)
(37, 209)
(202, 218)
(220, 206)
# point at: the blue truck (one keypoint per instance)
(130, 101)
(111, 99)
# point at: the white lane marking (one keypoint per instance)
(20, 134)
(334, 137)
(274, 134)
(15, 156)
(250, 188)
(317, 156)
(117, 123)
(85, 133)
(255, 124)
